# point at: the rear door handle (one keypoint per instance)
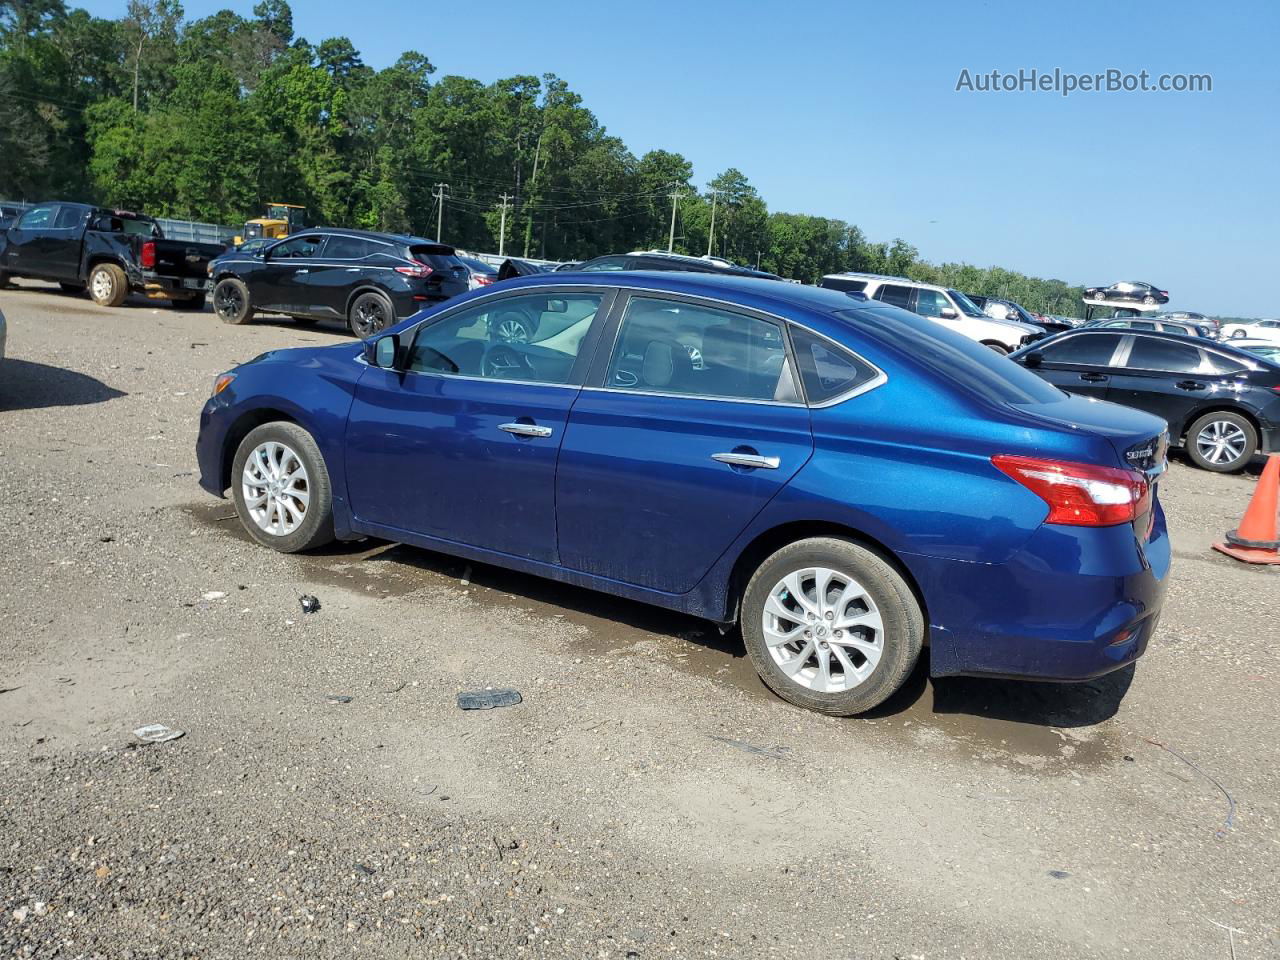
(300, 272)
(353, 269)
(1094, 377)
(526, 429)
(1190, 385)
(750, 460)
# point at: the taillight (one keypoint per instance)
(419, 269)
(483, 279)
(1080, 494)
(148, 257)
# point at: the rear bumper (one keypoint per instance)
(169, 288)
(1073, 604)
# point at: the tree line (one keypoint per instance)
(208, 119)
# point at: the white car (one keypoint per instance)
(1266, 349)
(1268, 330)
(945, 306)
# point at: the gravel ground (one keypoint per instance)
(648, 798)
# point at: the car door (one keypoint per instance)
(339, 266)
(932, 303)
(25, 249)
(60, 246)
(283, 281)
(1078, 362)
(1165, 377)
(689, 425)
(461, 445)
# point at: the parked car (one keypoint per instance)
(1128, 291)
(9, 213)
(111, 252)
(1185, 329)
(1221, 404)
(660, 260)
(1267, 349)
(1008, 310)
(764, 487)
(1255, 329)
(947, 307)
(254, 244)
(367, 280)
(480, 274)
(1190, 316)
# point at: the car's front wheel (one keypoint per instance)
(831, 626)
(511, 326)
(1222, 441)
(231, 301)
(281, 488)
(1238, 334)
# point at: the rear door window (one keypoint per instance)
(1088, 349)
(1163, 355)
(68, 218)
(347, 248)
(895, 295)
(605, 263)
(844, 284)
(669, 346)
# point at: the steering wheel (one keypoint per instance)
(503, 362)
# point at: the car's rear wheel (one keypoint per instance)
(1148, 299)
(831, 626)
(231, 301)
(371, 313)
(108, 285)
(281, 488)
(1222, 441)
(999, 348)
(1238, 334)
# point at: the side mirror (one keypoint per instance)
(383, 352)
(1033, 359)
(949, 313)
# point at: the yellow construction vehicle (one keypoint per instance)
(281, 220)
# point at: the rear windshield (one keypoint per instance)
(969, 364)
(438, 256)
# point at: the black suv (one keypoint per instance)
(1221, 404)
(657, 260)
(367, 280)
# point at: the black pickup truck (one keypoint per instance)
(110, 252)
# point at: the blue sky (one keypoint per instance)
(849, 110)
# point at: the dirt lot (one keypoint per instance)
(649, 798)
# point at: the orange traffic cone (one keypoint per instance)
(1257, 540)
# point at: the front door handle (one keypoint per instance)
(526, 429)
(300, 272)
(1190, 385)
(1093, 377)
(750, 460)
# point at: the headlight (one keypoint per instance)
(221, 382)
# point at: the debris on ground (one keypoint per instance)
(1230, 822)
(466, 576)
(778, 753)
(214, 595)
(157, 733)
(310, 604)
(1059, 874)
(489, 698)
(339, 698)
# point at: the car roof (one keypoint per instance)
(1221, 346)
(404, 238)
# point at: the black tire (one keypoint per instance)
(1225, 421)
(231, 301)
(370, 314)
(195, 303)
(1239, 334)
(316, 528)
(108, 285)
(901, 637)
(72, 287)
(512, 326)
(999, 348)
(1148, 299)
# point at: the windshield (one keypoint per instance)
(965, 304)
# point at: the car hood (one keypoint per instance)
(1017, 325)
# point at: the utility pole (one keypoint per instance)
(712, 235)
(440, 192)
(671, 239)
(502, 230)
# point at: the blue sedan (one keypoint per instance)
(844, 480)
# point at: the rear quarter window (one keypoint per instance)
(827, 369)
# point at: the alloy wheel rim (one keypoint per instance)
(229, 302)
(276, 488)
(823, 630)
(102, 285)
(512, 331)
(1221, 442)
(370, 318)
